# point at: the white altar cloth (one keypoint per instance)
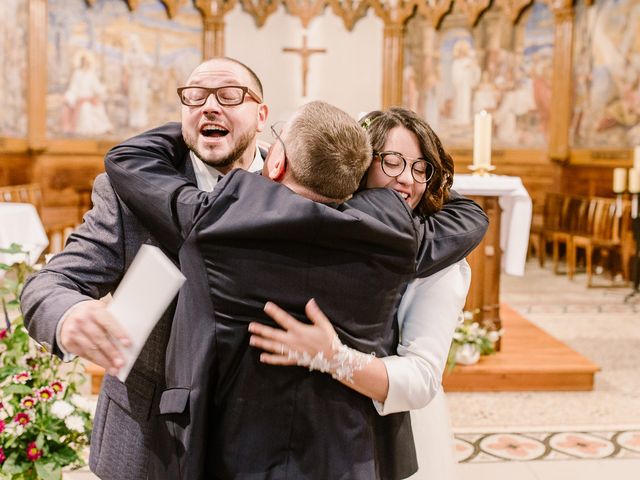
(20, 223)
(516, 214)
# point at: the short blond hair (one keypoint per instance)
(328, 151)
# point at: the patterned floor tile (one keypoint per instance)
(582, 445)
(512, 447)
(530, 446)
(629, 440)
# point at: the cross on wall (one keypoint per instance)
(304, 53)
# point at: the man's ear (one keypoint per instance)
(276, 165)
(262, 113)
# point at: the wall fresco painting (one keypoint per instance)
(112, 72)
(13, 68)
(607, 75)
(456, 71)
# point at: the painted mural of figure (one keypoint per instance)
(138, 69)
(411, 93)
(84, 112)
(432, 97)
(541, 83)
(486, 96)
(465, 75)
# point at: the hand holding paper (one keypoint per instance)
(145, 292)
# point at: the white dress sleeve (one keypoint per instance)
(427, 318)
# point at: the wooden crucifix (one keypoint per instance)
(305, 53)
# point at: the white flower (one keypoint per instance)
(493, 336)
(458, 336)
(81, 402)
(75, 423)
(61, 409)
(468, 315)
(3, 347)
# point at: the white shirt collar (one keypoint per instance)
(207, 176)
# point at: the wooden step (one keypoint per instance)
(530, 360)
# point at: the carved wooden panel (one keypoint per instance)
(36, 106)
(472, 9)
(394, 11)
(513, 8)
(172, 6)
(560, 115)
(434, 10)
(350, 10)
(214, 8)
(260, 9)
(305, 10)
(132, 4)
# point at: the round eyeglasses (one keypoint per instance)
(394, 163)
(227, 96)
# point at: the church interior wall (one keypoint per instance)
(127, 58)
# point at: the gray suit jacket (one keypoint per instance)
(92, 264)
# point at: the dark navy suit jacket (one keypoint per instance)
(226, 415)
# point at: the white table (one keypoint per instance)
(515, 220)
(20, 223)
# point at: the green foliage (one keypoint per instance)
(469, 332)
(44, 423)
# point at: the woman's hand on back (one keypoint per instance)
(296, 339)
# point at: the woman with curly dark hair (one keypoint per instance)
(408, 157)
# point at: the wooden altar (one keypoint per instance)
(485, 261)
(503, 249)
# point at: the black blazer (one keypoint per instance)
(226, 415)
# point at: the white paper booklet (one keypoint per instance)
(145, 292)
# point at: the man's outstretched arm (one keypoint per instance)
(450, 234)
(90, 266)
(144, 174)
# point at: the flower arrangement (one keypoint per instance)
(470, 341)
(44, 423)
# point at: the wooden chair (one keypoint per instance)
(27, 193)
(32, 193)
(573, 220)
(607, 227)
(542, 234)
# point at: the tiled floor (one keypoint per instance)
(492, 440)
(557, 470)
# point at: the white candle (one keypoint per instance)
(634, 180)
(482, 140)
(619, 180)
(636, 158)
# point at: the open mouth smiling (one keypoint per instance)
(213, 131)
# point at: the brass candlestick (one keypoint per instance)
(481, 170)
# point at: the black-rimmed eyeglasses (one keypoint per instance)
(394, 163)
(227, 96)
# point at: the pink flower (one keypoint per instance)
(45, 394)
(57, 387)
(28, 402)
(3, 457)
(22, 377)
(30, 362)
(32, 452)
(3, 333)
(2, 427)
(22, 418)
